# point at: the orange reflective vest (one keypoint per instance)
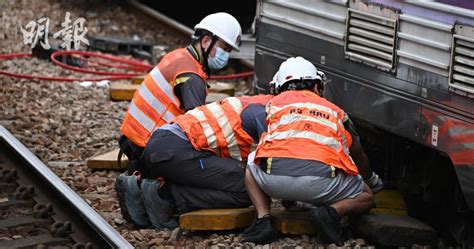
(303, 125)
(217, 127)
(154, 103)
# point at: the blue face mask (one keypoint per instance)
(219, 61)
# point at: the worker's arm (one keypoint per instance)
(357, 153)
(360, 158)
(190, 90)
(254, 121)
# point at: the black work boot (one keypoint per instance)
(328, 223)
(261, 231)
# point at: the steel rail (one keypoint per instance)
(91, 217)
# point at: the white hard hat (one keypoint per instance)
(295, 68)
(223, 25)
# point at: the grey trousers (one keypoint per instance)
(315, 190)
(197, 179)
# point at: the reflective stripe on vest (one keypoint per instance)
(208, 132)
(274, 109)
(139, 116)
(305, 126)
(328, 141)
(154, 103)
(291, 118)
(224, 122)
(163, 84)
(219, 115)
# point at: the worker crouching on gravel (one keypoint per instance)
(199, 156)
(178, 83)
(304, 156)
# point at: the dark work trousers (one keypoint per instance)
(197, 179)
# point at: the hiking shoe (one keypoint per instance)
(157, 208)
(261, 231)
(130, 200)
(327, 222)
(119, 189)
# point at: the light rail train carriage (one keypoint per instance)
(404, 71)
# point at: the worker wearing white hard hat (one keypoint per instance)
(216, 36)
(305, 156)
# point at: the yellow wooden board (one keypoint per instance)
(294, 223)
(217, 219)
(121, 91)
(389, 201)
(391, 211)
(291, 223)
(215, 86)
(389, 198)
(107, 161)
(137, 80)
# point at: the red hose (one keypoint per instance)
(132, 65)
(145, 67)
(232, 76)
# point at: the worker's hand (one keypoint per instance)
(375, 183)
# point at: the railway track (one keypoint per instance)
(38, 210)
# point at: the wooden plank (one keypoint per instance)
(294, 223)
(137, 80)
(121, 91)
(217, 219)
(215, 86)
(390, 198)
(107, 161)
(390, 211)
(389, 201)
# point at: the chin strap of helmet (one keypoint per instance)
(205, 54)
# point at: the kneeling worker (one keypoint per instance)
(304, 156)
(199, 157)
(178, 83)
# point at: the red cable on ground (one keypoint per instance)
(132, 65)
(54, 78)
(145, 67)
(232, 76)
